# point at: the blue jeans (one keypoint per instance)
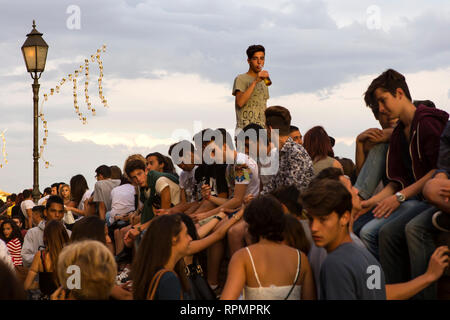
(107, 216)
(362, 221)
(406, 245)
(372, 171)
(369, 233)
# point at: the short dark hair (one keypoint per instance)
(253, 126)
(89, 228)
(225, 136)
(288, 195)
(26, 193)
(293, 128)
(181, 146)
(265, 218)
(55, 185)
(134, 165)
(39, 209)
(331, 173)
(253, 49)
(427, 103)
(48, 190)
(246, 133)
(54, 199)
(389, 81)
(104, 170)
(349, 168)
(116, 173)
(278, 117)
(326, 196)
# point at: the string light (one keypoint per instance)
(72, 77)
(5, 158)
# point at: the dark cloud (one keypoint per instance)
(210, 38)
(306, 52)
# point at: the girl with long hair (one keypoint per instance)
(10, 233)
(158, 270)
(44, 262)
(80, 194)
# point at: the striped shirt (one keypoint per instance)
(15, 248)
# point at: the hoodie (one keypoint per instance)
(34, 240)
(426, 128)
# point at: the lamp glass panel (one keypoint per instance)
(41, 58)
(30, 58)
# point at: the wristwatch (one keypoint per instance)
(400, 197)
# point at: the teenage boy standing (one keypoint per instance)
(251, 91)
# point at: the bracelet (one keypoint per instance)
(218, 218)
(236, 217)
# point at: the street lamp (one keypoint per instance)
(34, 52)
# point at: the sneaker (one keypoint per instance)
(441, 221)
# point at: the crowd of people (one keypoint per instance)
(268, 214)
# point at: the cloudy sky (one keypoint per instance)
(169, 69)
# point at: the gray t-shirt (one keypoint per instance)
(351, 273)
(253, 109)
(102, 191)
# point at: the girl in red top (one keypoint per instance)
(10, 233)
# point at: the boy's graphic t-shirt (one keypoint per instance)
(189, 185)
(253, 109)
(244, 171)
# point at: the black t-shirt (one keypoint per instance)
(214, 176)
(406, 160)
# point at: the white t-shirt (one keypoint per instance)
(244, 171)
(122, 199)
(26, 204)
(164, 182)
(188, 184)
(85, 196)
(43, 200)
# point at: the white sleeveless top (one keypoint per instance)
(273, 292)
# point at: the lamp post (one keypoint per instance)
(34, 52)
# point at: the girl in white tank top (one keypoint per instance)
(290, 292)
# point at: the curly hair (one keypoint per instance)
(265, 218)
(15, 231)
